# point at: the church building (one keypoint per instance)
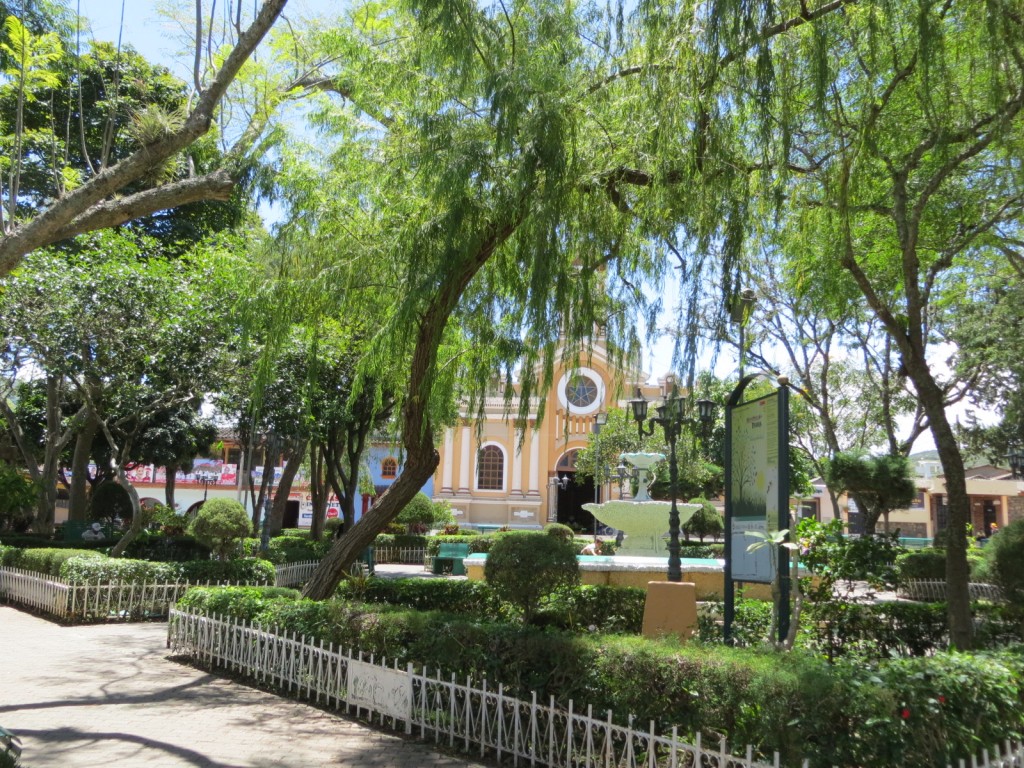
(493, 475)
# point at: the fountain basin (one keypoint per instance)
(643, 522)
(618, 571)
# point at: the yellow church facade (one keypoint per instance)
(494, 474)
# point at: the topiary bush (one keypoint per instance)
(477, 542)
(706, 521)
(221, 524)
(561, 531)
(418, 515)
(525, 567)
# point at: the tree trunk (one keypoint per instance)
(284, 488)
(170, 478)
(957, 572)
(317, 490)
(78, 501)
(419, 466)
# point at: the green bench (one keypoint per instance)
(449, 558)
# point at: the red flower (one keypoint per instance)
(942, 699)
(905, 714)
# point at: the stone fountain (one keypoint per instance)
(643, 520)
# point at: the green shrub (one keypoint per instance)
(401, 540)
(419, 515)
(46, 560)
(109, 570)
(706, 521)
(930, 563)
(701, 551)
(1004, 557)
(524, 567)
(221, 524)
(161, 547)
(560, 531)
(241, 602)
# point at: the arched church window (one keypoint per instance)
(490, 468)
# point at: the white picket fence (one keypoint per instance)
(476, 718)
(294, 574)
(935, 589)
(124, 600)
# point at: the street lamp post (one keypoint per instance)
(556, 483)
(206, 478)
(600, 419)
(1016, 459)
(671, 418)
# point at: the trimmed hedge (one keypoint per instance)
(410, 540)
(477, 542)
(585, 608)
(46, 560)
(930, 563)
(913, 712)
(106, 570)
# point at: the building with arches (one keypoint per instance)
(494, 474)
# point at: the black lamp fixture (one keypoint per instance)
(671, 416)
(206, 478)
(1016, 459)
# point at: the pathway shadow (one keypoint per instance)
(75, 736)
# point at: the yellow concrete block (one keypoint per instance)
(670, 609)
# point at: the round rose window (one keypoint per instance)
(580, 391)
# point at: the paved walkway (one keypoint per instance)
(105, 695)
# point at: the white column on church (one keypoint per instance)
(464, 462)
(517, 463)
(449, 458)
(535, 462)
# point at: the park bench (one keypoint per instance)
(449, 557)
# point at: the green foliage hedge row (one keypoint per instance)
(913, 712)
(86, 566)
(605, 609)
(288, 549)
(35, 541)
(410, 540)
(930, 563)
(45, 560)
(249, 571)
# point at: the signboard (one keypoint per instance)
(388, 691)
(754, 486)
(756, 492)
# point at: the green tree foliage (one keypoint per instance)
(104, 192)
(523, 568)
(17, 498)
(221, 524)
(878, 484)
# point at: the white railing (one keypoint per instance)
(294, 574)
(935, 589)
(125, 600)
(404, 555)
(479, 718)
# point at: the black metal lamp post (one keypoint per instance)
(1016, 459)
(206, 478)
(600, 419)
(671, 418)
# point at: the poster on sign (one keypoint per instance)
(379, 689)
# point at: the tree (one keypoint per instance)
(93, 202)
(134, 341)
(17, 496)
(878, 484)
(221, 524)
